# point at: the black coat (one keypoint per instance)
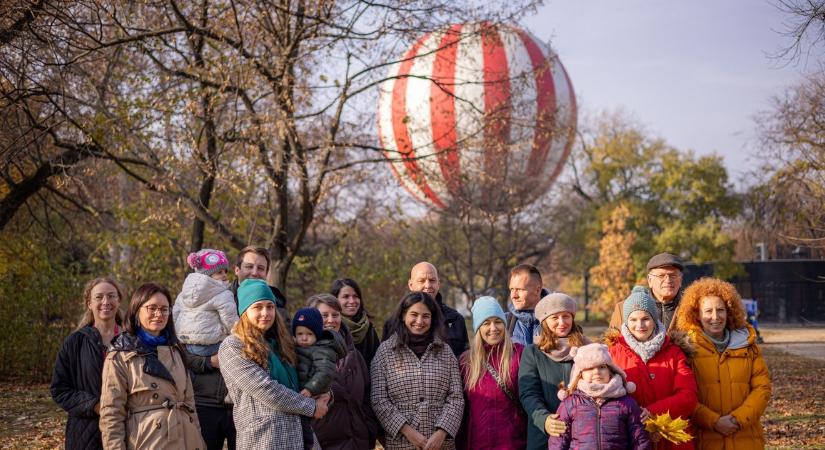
(369, 345)
(207, 382)
(76, 386)
(454, 328)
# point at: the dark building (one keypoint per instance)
(787, 291)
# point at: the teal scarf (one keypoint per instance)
(280, 371)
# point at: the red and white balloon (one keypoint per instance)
(477, 114)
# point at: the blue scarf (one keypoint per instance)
(150, 340)
(526, 327)
(281, 371)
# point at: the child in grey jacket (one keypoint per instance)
(318, 353)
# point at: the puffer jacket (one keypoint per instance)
(147, 401)
(538, 383)
(493, 420)
(422, 393)
(76, 386)
(735, 382)
(665, 384)
(614, 425)
(204, 312)
(350, 423)
(317, 363)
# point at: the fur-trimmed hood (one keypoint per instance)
(613, 336)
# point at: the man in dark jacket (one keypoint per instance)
(424, 278)
(664, 279)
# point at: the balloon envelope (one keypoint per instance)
(477, 114)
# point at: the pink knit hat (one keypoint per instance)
(590, 356)
(208, 261)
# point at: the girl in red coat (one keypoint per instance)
(494, 418)
(655, 362)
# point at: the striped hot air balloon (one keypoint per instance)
(477, 114)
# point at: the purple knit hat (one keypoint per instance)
(208, 261)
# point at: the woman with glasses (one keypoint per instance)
(147, 399)
(77, 371)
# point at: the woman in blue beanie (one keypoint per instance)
(495, 418)
(258, 363)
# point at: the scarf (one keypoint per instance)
(358, 326)
(526, 326)
(562, 353)
(721, 345)
(419, 343)
(151, 340)
(280, 371)
(646, 350)
(612, 389)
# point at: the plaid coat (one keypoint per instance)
(425, 394)
(266, 413)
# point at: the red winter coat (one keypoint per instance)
(492, 421)
(665, 384)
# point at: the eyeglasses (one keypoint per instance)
(668, 276)
(164, 310)
(112, 296)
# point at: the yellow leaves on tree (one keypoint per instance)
(613, 277)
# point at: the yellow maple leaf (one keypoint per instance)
(668, 428)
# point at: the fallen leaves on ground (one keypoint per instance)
(795, 418)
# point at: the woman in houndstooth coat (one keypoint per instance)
(416, 385)
(258, 363)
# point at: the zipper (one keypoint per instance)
(598, 427)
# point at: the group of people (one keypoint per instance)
(223, 365)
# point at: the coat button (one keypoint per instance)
(191, 419)
(155, 395)
(420, 399)
(154, 385)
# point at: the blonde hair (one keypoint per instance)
(88, 318)
(548, 341)
(255, 345)
(478, 355)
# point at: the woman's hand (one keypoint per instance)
(214, 362)
(321, 408)
(306, 393)
(553, 426)
(726, 425)
(417, 439)
(436, 440)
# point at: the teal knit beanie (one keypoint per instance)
(483, 309)
(639, 300)
(251, 291)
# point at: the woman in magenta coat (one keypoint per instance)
(494, 418)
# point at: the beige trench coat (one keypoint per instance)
(132, 414)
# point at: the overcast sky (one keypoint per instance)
(692, 72)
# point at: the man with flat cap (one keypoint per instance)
(664, 280)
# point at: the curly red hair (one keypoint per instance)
(690, 304)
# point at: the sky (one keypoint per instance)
(694, 73)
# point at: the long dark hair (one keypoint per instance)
(88, 319)
(142, 295)
(339, 284)
(436, 322)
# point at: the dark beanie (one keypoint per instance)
(310, 318)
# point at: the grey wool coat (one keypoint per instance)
(266, 413)
(425, 394)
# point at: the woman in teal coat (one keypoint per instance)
(546, 366)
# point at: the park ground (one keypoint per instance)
(795, 418)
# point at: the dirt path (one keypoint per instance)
(806, 342)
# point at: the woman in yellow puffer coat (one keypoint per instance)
(734, 383)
